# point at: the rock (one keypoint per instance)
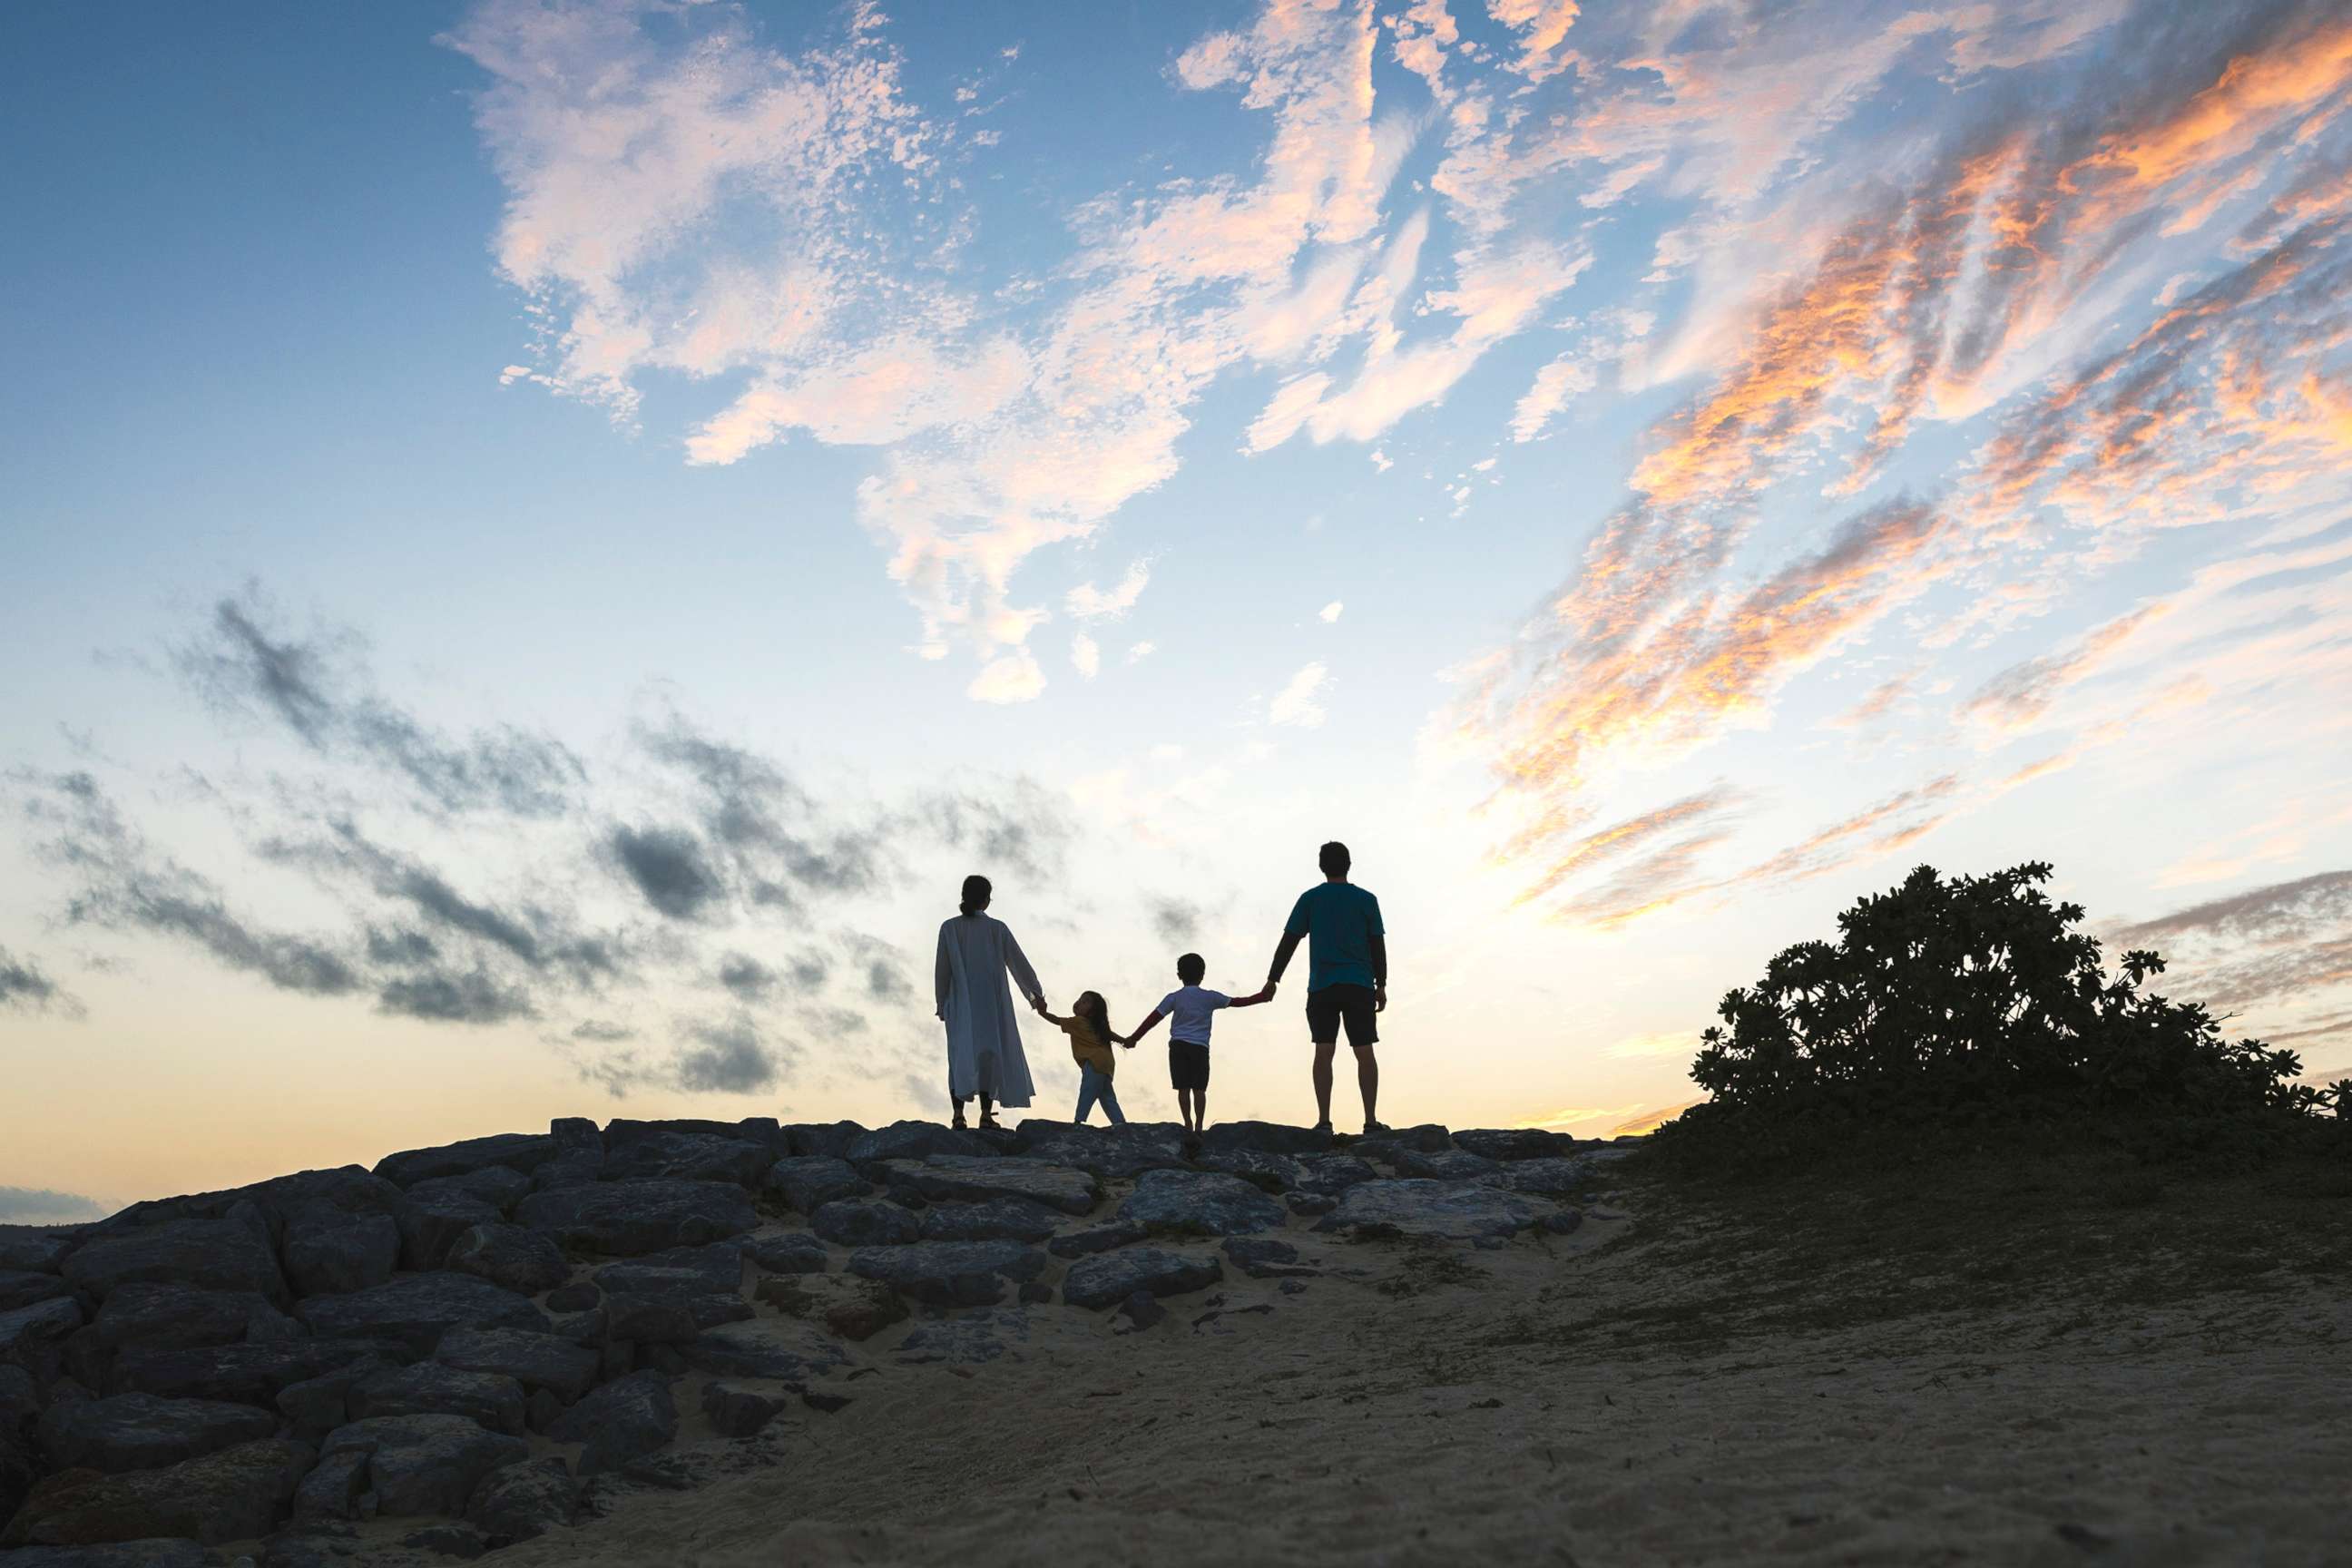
(1428, 1138)
(1563, 1223)
(865, 1222)
(650, 1320)
(808, 1182)
(544, 1410)
(622, 1133)
(1262, 1257)
(228, 1495)
(1111, 1276)
(1309, 1203)
(1332, 1174)
(417, 1310)
(233, 1252)
(32, 1249)
(141, 1432)
(1142, 1310)
(523, 1152)
(510, 1257)
(776, 1348)
(23, 1289)
(437, 1216)
(119, 1555)
(1545, 1178)
(174, 1317)
(1199, 1203)
(459, 1541)
(624, 1420)
(20, 1404)
(998, 1219)
(688, 1156)
(1452, 1210)
(1275, 1174)
(1514, 1142)
(828, 1139)
(1100, 1238)
(853, 1308)
(966, 1338)
(425, 1464)
(317, 1405)
(788, 1252)
(521, 1501)
(340, 1253)
(496, 1185)
(708, 1270)
(334, 1487)
(912, 1141)
(1292, 1288)
(580, 1297)
(823, 1402)
(1110, 1153)
(1446, 1166)
(575, 1134)
(534, 1360)
(29, 1335)
(569, 1168)
(949, 1273)
(735, 1411)
(1037, 1293)
(624, 1220)
(245, 1374)
(311, 1544)
(491, 1399)
(1266, 1137)
(967, 1178)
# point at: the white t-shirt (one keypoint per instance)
(1189, 1010)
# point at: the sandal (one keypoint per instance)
(988, 1120)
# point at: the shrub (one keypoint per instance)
(1969, 1001)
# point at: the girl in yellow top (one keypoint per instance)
(1088, 1026)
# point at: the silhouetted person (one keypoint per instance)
(1088, 1026)
(1193, 1007)
(984, 1055)
(1347, 977)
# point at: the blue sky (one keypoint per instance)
(1642, 474)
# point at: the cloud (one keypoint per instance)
(43, 1205)
(750, 980)
(1088, 603)
(1020, 826)
(2279, 948)
(726, 1058)
(1296, 704)
(668, 866)
(26, 988)
(1176, 922)
(1086, 655)
(1331, 612)
(2012, 700)
(1013, 678)
(451, 998)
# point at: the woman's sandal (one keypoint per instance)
(989, 1121)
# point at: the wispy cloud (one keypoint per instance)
(26, 987)
(43, 1205)
(1298, 703)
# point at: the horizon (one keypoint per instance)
(545, 541)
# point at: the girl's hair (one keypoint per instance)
(975, 893)
(1098, 1014)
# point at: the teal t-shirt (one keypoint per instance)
(1339, 920)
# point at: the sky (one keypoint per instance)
(544, 539)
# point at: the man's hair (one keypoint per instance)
(1190, 968)
(1333, 859)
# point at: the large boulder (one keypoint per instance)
(622, 1133)
(688, 1156)
(115, 1554)
(913, 1141)
(624, 1220)
(1265, 1137)
(1427, 1138)
(777, 1349)
(175, 1317)
(829, 1139)
(30, 1336)
(865, 1222)
(788, 1252)
(1514, 1142)
(856, 1309)
(626, 1419)
(23, 1290)
(1331, 1175)
(229, 1495)
(317, 1405)
(946, 1178)
(35, 1249)
(438, 1213)
(1446, 1166)
(523, 1152)
(521, 1501)
(1549, 1177)
(20, 1408)
(808, 1182)
(736, 1411)
(536, 1361)
(966, 1338)
(424, 1464)
(251, 1374)
(950, 1273)
(1112, 1153)
(491, 1399)
(1110, 1278)
(1455, 1210)
(417, 1310)
(714, 1269)
(998, 1219)
(1263, 1257)
(233, 1252)
(1275, 1174)
(339, 1230)
(1099, 1239)
(141, 1432)
(1200, 1203)
(512, 1256)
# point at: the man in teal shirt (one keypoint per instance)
(1347, 977)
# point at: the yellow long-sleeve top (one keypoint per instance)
(1088, 1048)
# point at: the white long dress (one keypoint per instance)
(984, 1054)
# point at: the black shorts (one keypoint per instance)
(1335, 1004)
(1188, 1065)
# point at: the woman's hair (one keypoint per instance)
(975, 893)
(1098, 1015)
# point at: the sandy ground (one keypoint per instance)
(1419, 1406)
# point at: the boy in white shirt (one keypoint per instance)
(1189, 1008)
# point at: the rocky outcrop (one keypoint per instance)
(1200, 1203)
(950, 1273)
(421, 1464)
(141, 1432)
(230, 1495)
(1110, 1278)
(417, 1310)
(626, 1219)
(626, 1419)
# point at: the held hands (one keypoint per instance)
(1037, 1000)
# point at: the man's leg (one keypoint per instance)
(1367, 1079)
(1323, 1049)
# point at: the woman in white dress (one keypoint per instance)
(985, 1057)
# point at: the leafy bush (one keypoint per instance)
(1975, 1000)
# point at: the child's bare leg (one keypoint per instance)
(1200, 1110)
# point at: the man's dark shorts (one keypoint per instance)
(1335, 1004)
(1188, 1065)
